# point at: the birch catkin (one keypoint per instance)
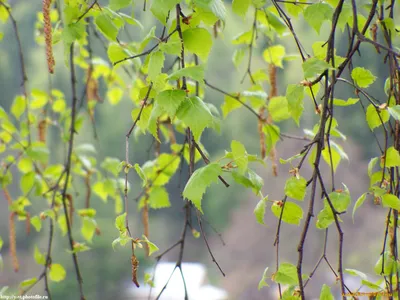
(48, 35)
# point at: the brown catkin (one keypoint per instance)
(135, 266)
(48, 35)
(7, 196)
(145, 220)
(273, 93)
(13, 242)
(28, 224)
(261, 132)
(42, 126)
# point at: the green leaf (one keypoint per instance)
(156, 63)
(326, 293)
(120, 223)
(152, 247)
(195, 114)
(392, 158)
(272, 134)
(173, 46)
(274, 55)
(160, 9)
(27, 282)
(194, 72)
(57, 272)
(239, 156)
(159, 198)
(294, 96)
(340, 200)
(356, 273)
(316, 14)
(170, 101)
(230, 104)
(114, 95)
(394, 111)
(331, 157)
(198, 41)
(88, 228)
(18, 107)
(119, 4)
(286, 274)
(296, 188)
(111, 164)
(39, 257)
(350, 101)
(27, 182)
(278, 108)
(37, 223)
(314, 66)
(199, 181)
(388, 265)
(362, 77)
(105, 24)
(325, 218)
(371, 165)
(263, 281)
(390, 200)
(217, 7)
(259, 210)
(359, 202)
(141, 174)
(240, 7)
(292, 213)
(373, 119)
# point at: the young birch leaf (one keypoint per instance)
(292, 213)
(39, 257)
(362, 77)
(170, 100)
(259, 210)
(199, 181)
(296, 188)
(217, 7)
(326, 293)
(240, 7)
(278, 109)
(195, 114)
(294, 96)
(119, 4)
(158, 198)
(239, 156)
(318, 13)
(359, 202)
(141, 174)
(373, 119)
(160, 9)
(194, 72)
(286, 274)
(18, 106)
(156, 64)
(390, 200)
(57, 272)
(350, 101)
(274, 55)
(392, 158)
(106, 26)
(394, 111)
(26, 283)
(152, 247)
(263, 281)
(198, 41)
(230, 104)
(314, 66)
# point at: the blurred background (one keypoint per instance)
(248, 248)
